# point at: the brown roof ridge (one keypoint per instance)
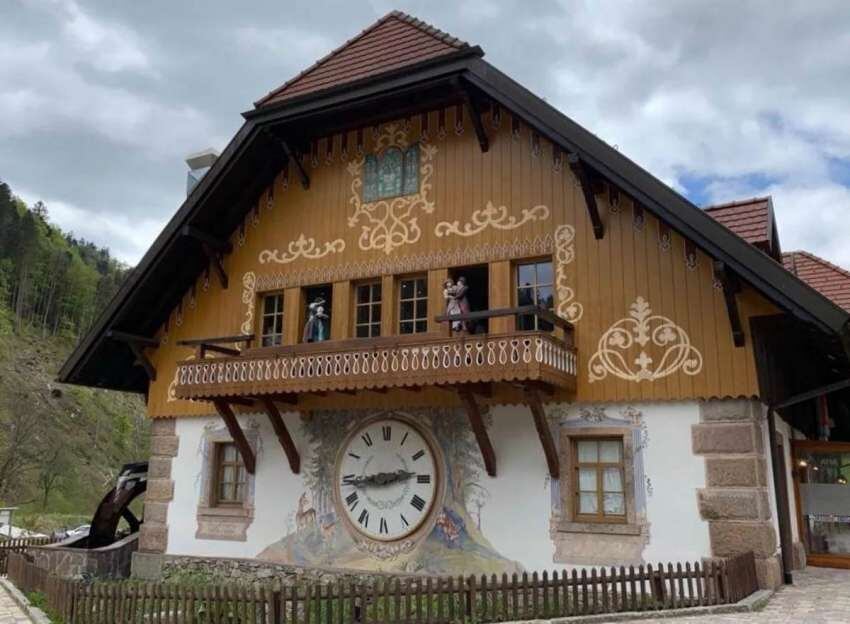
(739, 202)
(425, 27)
(818, 259)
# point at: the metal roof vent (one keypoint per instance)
(199, 163)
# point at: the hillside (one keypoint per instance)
(60, 446)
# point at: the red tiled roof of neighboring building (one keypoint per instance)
(394, 41)
(748, 218)
(829, 279)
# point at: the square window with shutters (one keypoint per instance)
(229, 479)
(271, 321)
(367, 310)
(534, 286)
(413, 305)
(598, 480)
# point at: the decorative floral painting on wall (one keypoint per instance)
(451, 542)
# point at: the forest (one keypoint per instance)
(60, 446)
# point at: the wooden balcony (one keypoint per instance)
(381, 364)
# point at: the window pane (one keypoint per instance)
(240, 492)
(376, 330)
(228, 475)
(544, 273)
(269, 304)
(612, 480)
(389, 173)
(376, 292)
(363, 314)
(525, 296)
(229, 452)
(421, 288)
(610, 451)
(525, 275)
(421, 327)
(587, 479)
(406, 310)
(362, 294)
(422, 308)
(224, 492)
(406, 327)
(614, 504)
(376, 312)
(362, 331)
(268, 324)
(587, 451)
(545, 298)
(406, 289)
(587, 503)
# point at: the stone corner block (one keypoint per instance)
(159, 467)
(147, 566)
(733, 504)
(735, 472)
(164, 445)
(153, 538)
(159, 490)
(164, 427)
(724, 438)
(725, 410)
(156, 511)
(769, 573)
(729, 538)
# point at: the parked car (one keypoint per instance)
(80, 531)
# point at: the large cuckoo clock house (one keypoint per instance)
(414, 319)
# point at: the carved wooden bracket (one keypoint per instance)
(731, 287)
(475, 114)
(535, 403)
(581, 172)
(239, 439)
(213, 247)
(282, 434)
(479, 430)
(137, 345)
(291, 156)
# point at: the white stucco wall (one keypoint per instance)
(516, 518)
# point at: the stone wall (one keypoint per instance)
(111, 561)
(164, 444)
(736, 499)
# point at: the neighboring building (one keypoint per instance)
(624, 421)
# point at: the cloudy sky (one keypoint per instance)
(101, 101)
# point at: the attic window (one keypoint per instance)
(392, 173)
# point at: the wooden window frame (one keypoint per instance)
(262, 316)
(370, 304)
(575, 465)
(515, 264)
(399, 281)
(218, 466)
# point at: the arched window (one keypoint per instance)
(391, 174)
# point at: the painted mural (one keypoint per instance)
(453, 542)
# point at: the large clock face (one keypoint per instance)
(387, 479)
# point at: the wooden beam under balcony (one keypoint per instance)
(731, 287)
(282, 434)
(473, 411)
(535, 403)
(203, 345)
(248, 458)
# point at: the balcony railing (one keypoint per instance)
(383, 363)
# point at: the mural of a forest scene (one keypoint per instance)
(315, 535)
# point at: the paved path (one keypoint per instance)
(818, 596)
(10, 613)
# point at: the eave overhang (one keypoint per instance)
(253, 156)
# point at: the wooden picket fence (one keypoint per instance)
(20, 545)
(397, 600)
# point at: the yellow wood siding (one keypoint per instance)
(607, 276)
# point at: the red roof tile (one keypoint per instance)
(828, 279)
(394, 41)
(749, 218)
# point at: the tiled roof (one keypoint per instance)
(394, 41)
(748, 218)
(830, 280)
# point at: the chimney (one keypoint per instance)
(199, 163)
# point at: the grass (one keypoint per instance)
(38, 600)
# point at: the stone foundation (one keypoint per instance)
(153, 535)
(736, 499)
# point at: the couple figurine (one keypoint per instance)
(456, 302)
(316, 328)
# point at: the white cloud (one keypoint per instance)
(284, 42)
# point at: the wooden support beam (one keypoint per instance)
(137, 345)
(479, 430)
(731, 287)
(532, 395)
(217, 265)
(244, 401)
(216, 244)
(203, 348)
(131, 519)
(239, 439)
(293, 157)
(475, 116)
(581, 172)
(283, 435)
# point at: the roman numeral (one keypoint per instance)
(417, 502)
(423, 478)
(388, 432)
(367, 439)
(404, 520)
(348, 479)
(351, 499)
(364, 518)
(384, 528)
(418, 454)
(406, 433)
(354, 455)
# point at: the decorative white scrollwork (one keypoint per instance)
(638, 332)
(249, 288)
(387, 224)
(567, 307)
(302, 247)
(491, 216)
